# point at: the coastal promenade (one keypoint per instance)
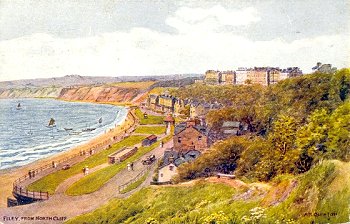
(8, 177)
(57, 205)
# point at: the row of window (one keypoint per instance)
(199, 138)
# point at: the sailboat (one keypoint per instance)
(19, 106)
(51, 123)
(88, 129)
(30, 131)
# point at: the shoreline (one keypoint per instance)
(8, 176)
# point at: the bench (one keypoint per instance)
(231, 176)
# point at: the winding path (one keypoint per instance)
(62, 205)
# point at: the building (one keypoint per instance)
(273, 76)
(241, 76)
(149, 140)
(152, 101)
(290, 72)
(171, 160)
(324, 68)
(190, 135)
(200, 109)
(169, 120)
(263, 75)
(179, 105)
(166, 103)
(213, 77)
(121, 155)
(228, 78)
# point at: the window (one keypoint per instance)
(161, 175)
(199, 138)
(179, 139)
(171, 168)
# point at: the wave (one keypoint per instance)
(20, 148)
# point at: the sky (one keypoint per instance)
(53, 38)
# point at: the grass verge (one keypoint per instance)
(321, 196)
(190, 204)
(151, 119)
(136, 184)
(96, 180)
(50, 182)
(157, 130)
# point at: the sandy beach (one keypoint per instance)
(8, 176)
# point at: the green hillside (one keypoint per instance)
(292, 164)
(320, 195)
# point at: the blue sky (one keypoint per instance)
(113, 38)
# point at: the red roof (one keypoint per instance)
(151, 137)
(169, 118)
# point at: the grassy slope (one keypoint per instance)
(135, 184)
(151, 118)
(136, 85)
(165, 204)
(157, 130)
(50, 182)
(323, 189)
(96, 180)
(160, 90)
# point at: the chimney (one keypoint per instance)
(190, 123)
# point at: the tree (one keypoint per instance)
(221, 157)
(284, 134)
(312, 137)
(338, 141)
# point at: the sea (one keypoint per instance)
(25, 134)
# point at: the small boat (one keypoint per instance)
(51, 123)
(88, 129)
(68, 129)
(100, 120)
(74, 133)
(19, 107)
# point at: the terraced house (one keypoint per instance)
(190, 141)
(166, 103)
(212, 77)
(152, 101)
(257, 75)
(190, 135)
(200, 109)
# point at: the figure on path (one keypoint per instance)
(129, 167)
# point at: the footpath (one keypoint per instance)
(63, 207)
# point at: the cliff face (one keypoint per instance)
(100, 94)
(31, 92)
(86, 93)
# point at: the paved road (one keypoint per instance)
(61, 205)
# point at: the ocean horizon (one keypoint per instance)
(27, 134)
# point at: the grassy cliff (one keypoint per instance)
(321, 195)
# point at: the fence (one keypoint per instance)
(30, 194)
(136, 178)
(22, 191)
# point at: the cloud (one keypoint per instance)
(142, 51)
(208, 19)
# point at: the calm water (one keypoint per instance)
(26, 137)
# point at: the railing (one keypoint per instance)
(19, 190)
(30, 194)
(136, 178)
